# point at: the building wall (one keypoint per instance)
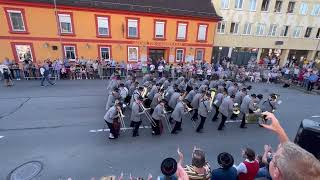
(270, 17)
(43, 30)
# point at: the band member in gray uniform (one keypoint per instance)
(112, 98)
(137, 93)
(171, 89)
(217, 102)
(135, 117)
(238, 99)
(111, 116)
(156, 100)
(226, 109)
(179, 111)
(269, 104)
(153, 91)
(232, 90)
(195, 104)
(247, 106)
(174, 99)
(191, 94)
(157, 115)
(204, 109)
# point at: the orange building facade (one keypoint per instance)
(37, 31)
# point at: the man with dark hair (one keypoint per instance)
(247, 107)
(179, 111)
(227, 171)
(248, 169)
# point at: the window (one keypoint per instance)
(284, 31)
(199, 54)
(65, 22)
(132, 28)
(234, 28)
(182, 31)
(238, 4)
(224, 4)
(70, 52)
(318, 33)
(103, 25)
(291, 7)
(277, 7)
(16, 20)
(260, 29)
(179, 55)
(308, 32)
(252, 5)
(221, 26)
(316, 10)
(202, 32)
(265, 5)
(303, 8)
(105, 52)
(272, 30)
(133, 54)
(296, 31)
(23, 51)
(247, 28)
(160, 28)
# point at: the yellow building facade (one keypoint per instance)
(38, 31)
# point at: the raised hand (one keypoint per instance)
(275, 127)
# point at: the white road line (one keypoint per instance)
(1, 137)
(233, 121)
(316, 116)
(130, 128)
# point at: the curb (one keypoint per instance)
(305, 91)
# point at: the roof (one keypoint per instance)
(191, 8)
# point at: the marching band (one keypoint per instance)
(170, 101)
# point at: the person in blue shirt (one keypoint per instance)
(313, 78)
(227, 170)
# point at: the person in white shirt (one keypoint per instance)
(160, 70)
(152, 68)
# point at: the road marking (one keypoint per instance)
(233, 121)
(1, 137)
(316, 116)
(129, 128)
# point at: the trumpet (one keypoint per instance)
(121, 119)
(149, 117)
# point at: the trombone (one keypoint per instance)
(149, 117)
(121, 119)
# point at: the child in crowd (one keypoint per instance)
(63, 72)
(160, 70)
(90, 72)
(83, 72)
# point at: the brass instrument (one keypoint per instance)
(144, 92)
(236, 109)
(188, 109)
(213, 94)
(149, 117)
(121, 119)
(257, 109)
(167, 120)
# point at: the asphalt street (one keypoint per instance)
(61, 126)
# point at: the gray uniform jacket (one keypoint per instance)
(268, 105)
(158, 112)
(166, 84)
(220, 89)
(152, 92)
(190, 95)
(232, 90)
(191, 82)
(226, 107)
(146, 78)
(213, 84)
(179, 80)
(204, 108)
(155, 101)
(136, 112)
(218, 99)
(196, 100)
(182, 86)
(178, 112)
(128, 83)
(131, 89)
(162, 80)
(228, 84)
(247, 103)
(203, 87)
(239, 96)
(111, 100)
(169, 93)
(174, 100)
(111, 114)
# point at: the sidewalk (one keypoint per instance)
(314, 91)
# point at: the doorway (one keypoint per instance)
(156, 54)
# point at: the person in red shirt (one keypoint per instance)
(248, 169)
